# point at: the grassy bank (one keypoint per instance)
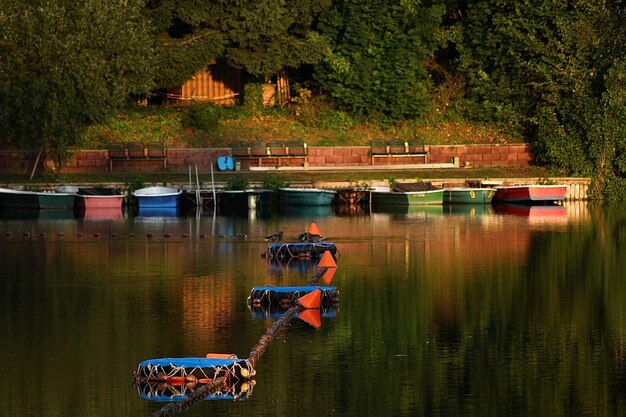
(206, 125)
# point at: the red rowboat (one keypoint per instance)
(530, 194)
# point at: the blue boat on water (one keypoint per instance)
(157, 197)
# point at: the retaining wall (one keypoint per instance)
(178, 160)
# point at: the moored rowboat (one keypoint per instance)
(10, 198)
(381, 198)
(530, 194)
(468, 195)
(306, 196)
(157, 197)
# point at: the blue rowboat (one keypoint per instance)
(157, 197)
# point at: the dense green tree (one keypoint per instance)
(380, 49)
(67, 64)
(261, 37)
(265, 36)
(188, 38)
(541, 67)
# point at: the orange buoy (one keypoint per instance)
(313, 229)
(221, 355)
(328, 275)
(311, 300)
(327, 260)
(311, 317)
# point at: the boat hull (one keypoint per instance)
(247, 199)
(35, 200)
(306, 196)
(530, 194)
(157, 197)
(410, 198)
(468, 195)
(99, 201)
(56, 201)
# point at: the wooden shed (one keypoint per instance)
(222, 85)
(218, 83)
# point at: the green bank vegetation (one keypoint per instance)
(490, 71)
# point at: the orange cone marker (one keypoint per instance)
(311, 300)
(314, 230)
(328, 275)
(327, 260)
(311, 317)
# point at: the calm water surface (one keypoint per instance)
(443, 312)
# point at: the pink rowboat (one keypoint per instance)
(95, 197)
(529, 194)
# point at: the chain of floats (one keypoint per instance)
(256, 352)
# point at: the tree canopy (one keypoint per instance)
(377, 63)
(67, 64)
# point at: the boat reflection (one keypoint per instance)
(411, 210)
(306, 211)
(35, 214)
(164, 392)
(535, 213)
(294, 263)
(99, 213)
(157, 212)
(276, 311)
(470, 210)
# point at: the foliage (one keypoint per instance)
(275, 180)
(376, 64)
(545, 69)
(65, 66)
(265, 36)
(237, 182)
(138, 124)
(253, 98)
(261, 37)
(204, 117)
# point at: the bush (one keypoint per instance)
(237, 183)
(205, 117)
(274, 181)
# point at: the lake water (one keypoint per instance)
(443, 312)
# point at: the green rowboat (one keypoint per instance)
(468, 195)
(408, 198)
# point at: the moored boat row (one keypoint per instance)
(528, 194)
(70, 197)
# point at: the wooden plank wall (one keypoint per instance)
(218, 83)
